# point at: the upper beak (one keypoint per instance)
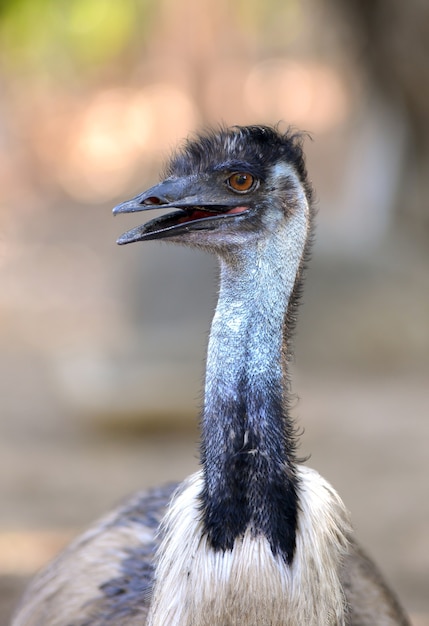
(168, 194)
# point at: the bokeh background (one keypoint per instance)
(102, 348)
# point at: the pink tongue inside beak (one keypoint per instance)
(199, 215)
(237, 209)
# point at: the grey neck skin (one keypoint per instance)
(247, 436)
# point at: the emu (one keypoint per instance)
(255, 537)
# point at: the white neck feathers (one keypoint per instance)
(196, 586)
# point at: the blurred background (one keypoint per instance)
(102, 348)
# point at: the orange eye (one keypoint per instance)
(241, 182)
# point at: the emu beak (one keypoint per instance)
(200, 202)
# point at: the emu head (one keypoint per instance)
(227, 188)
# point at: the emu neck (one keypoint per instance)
(248, 443)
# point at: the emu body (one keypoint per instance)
(254, 538)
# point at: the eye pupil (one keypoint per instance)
(241, 181)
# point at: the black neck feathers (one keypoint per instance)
(251, 483)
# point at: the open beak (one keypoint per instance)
(200, 207)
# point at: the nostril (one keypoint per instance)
(152, 200)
